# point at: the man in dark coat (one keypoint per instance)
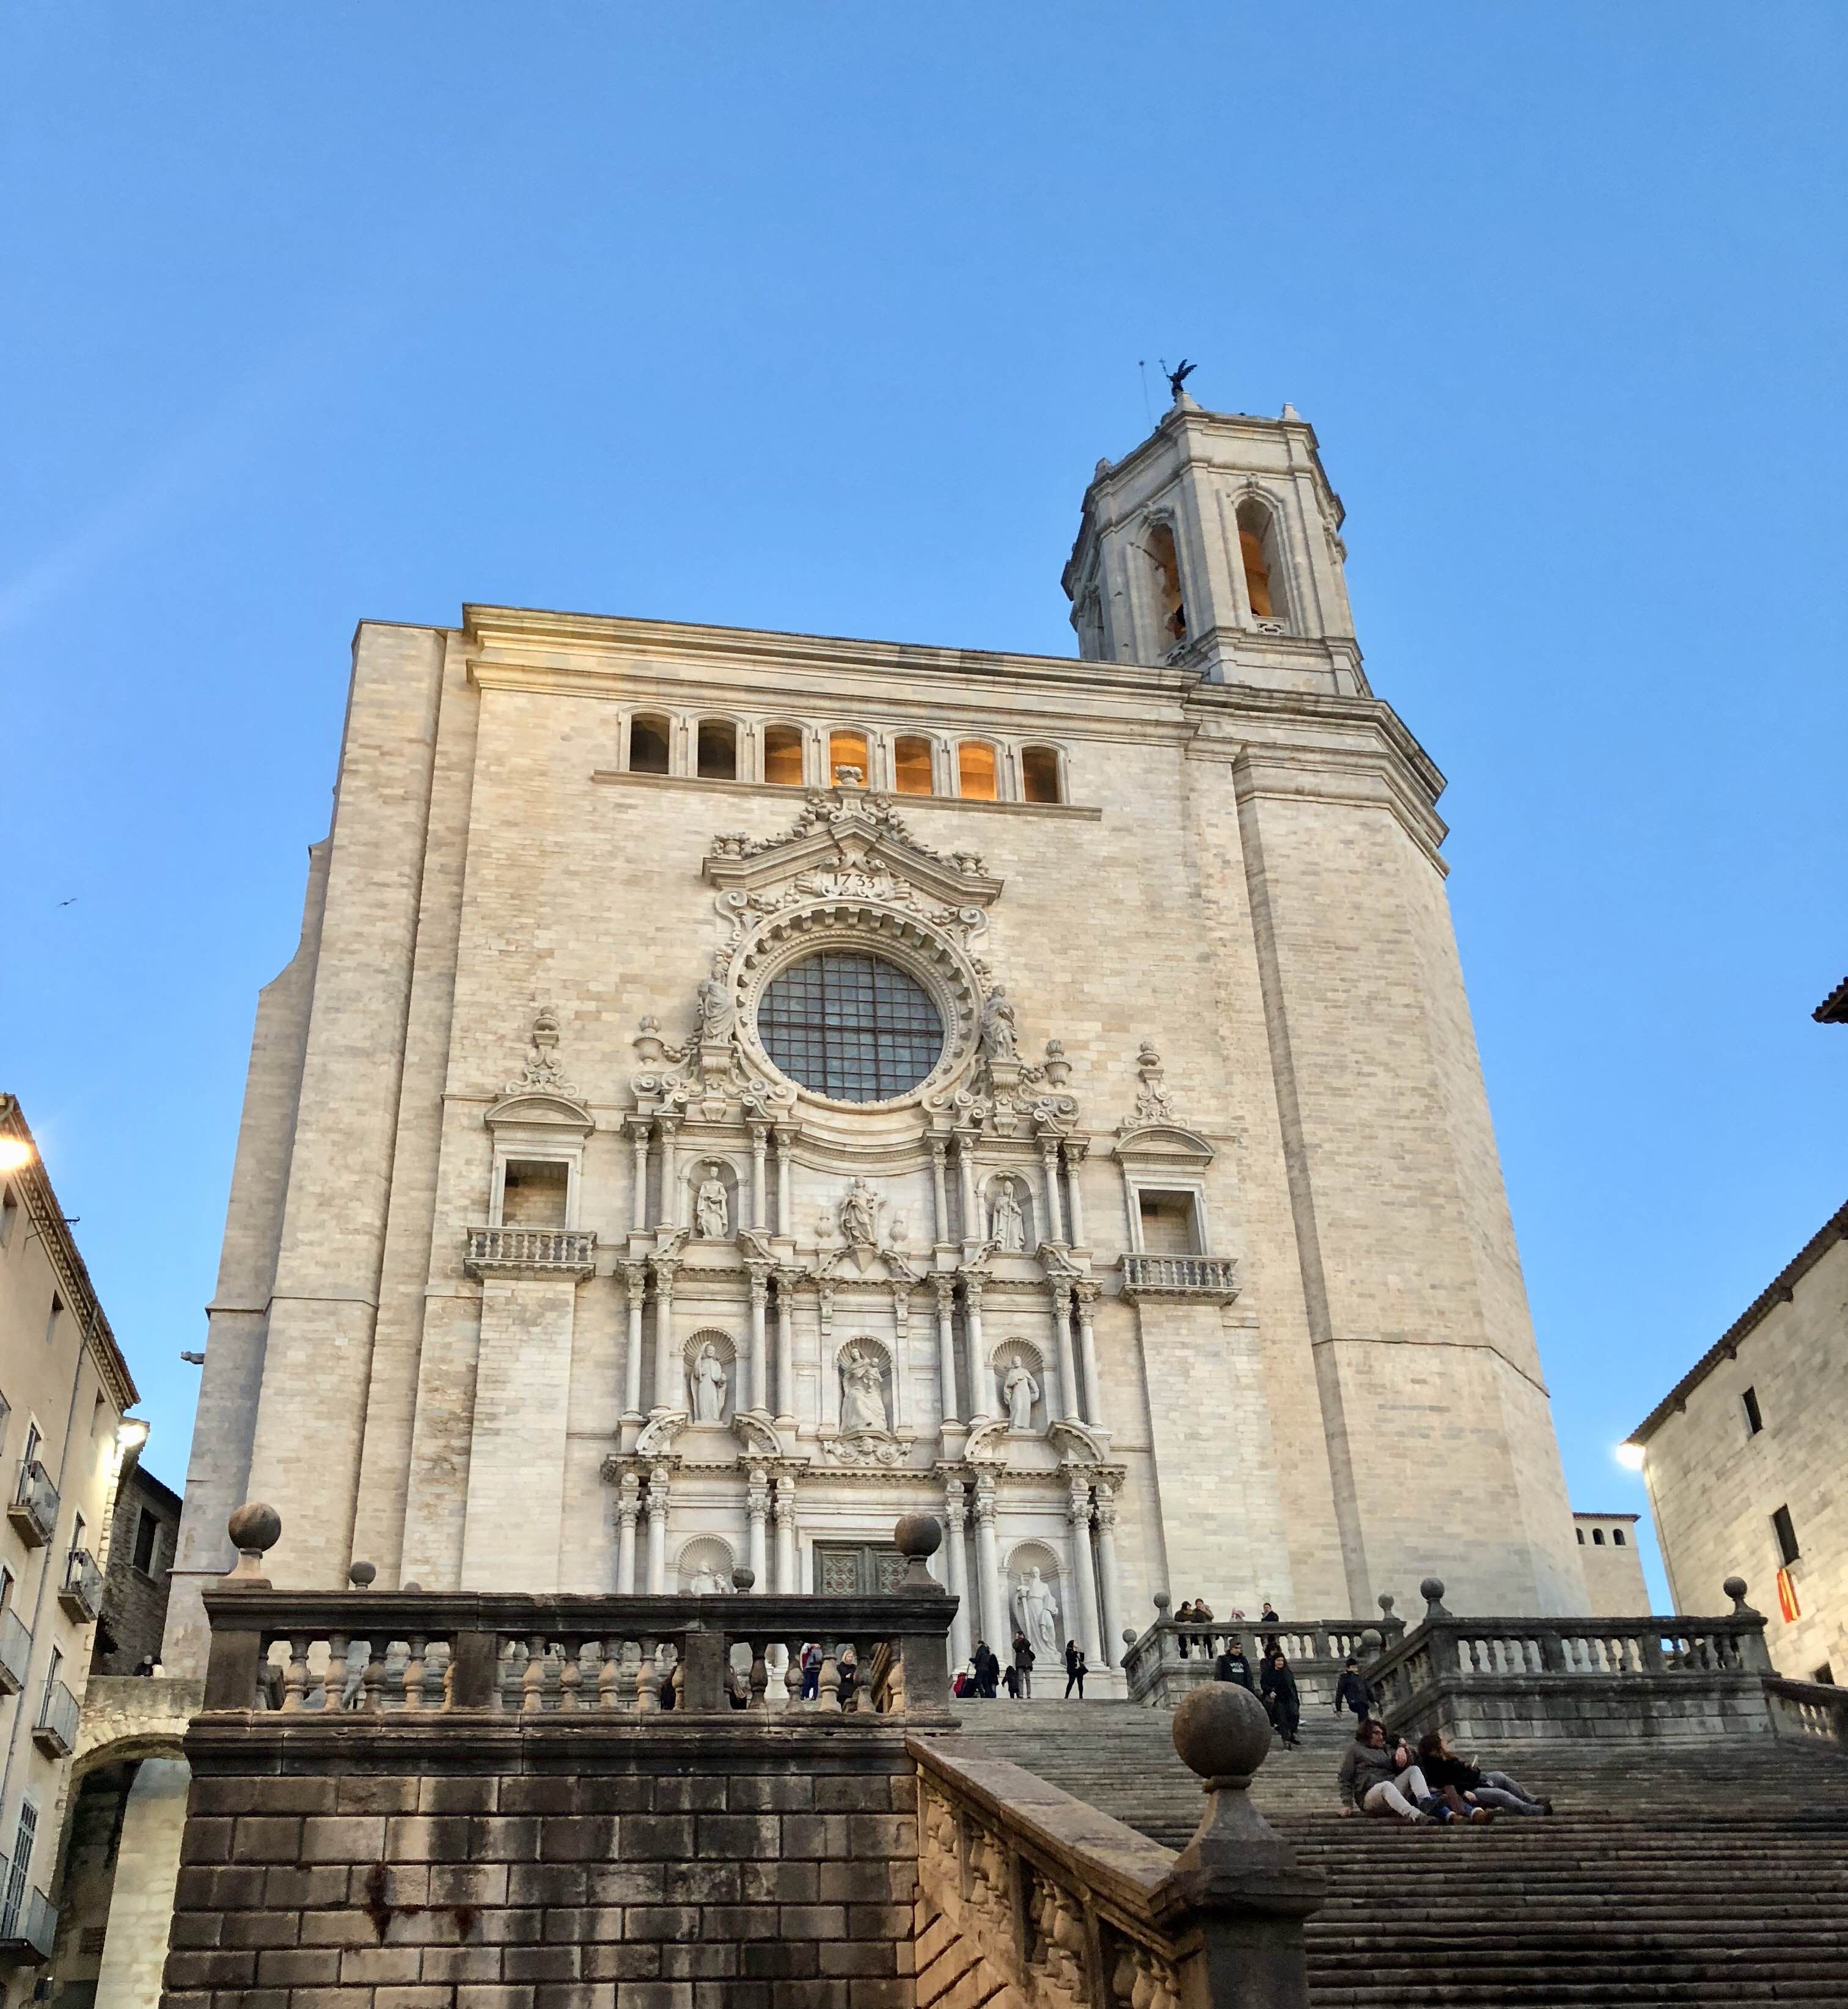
(1354, 1692)
(1232, 1666)
(986, 1669)
(1278, 1686)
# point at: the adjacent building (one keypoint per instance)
(142, 1542)
(1613, 1566)
(64, 1441)
(1743, 1461)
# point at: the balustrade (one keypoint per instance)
(1174, 1655)
(1180, 1276)
(563, 1252)
(1811, 1711)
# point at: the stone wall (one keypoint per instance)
(668, 1866)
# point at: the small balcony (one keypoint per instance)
(16, 1652)
(1201, 1276)
(28, 1924)
(55, 1732)
(530, 1252)
(81, 1593)
(33, 1512)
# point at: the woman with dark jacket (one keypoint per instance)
(1278, 1686)
(1075, 1669)
(1447, 1773)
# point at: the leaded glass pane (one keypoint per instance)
(855, 1027)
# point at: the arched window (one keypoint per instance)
(1258, 551)
(1039, 774)
(717, 750)
(1597, 1538)
(911, 765)
(647, 746)
(1171, 613)
(975, 771)
(1617, 1536)
(846, 750)
(783, 756)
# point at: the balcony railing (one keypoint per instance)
(1175, 1655)
(28, 1922)
(81, 1593)
(33, 1511)
(16, 1651)
(55, 1732)
(529, 1252)
(1214, 1277)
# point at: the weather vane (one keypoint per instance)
(1178, 376)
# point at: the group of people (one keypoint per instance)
(982, 1677)
(1276, 1685)
(1385, 1776)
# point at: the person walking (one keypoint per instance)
(1232, 1666)
(1075, 1669)
(1024, 1660)
(1278, 1686)
(1354, 1692)
(811, 1670)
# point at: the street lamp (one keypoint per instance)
(1630, 1456)
(16, 1153)
(131, 1434)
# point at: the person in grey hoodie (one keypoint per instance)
(1377, 1777)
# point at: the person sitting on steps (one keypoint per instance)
(1496, 1791)
(1381, 1778)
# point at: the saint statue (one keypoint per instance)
(712, 1217)
(708, 1583)
(1007, 1225)
(863, 1395)
(708, 1387)
(1000, 1036)
(715, 1009)
(1019, 1391)
(1036, 1611)
(860, 1214)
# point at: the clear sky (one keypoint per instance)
(816, 317)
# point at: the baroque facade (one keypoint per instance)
(734, 1088)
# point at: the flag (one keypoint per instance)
(1787, 1603)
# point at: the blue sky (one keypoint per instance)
(817, 318)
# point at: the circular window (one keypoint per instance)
(855, 1027)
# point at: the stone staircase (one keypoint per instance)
(1713, 1873)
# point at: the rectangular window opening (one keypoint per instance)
(1168, 1224)
(147, 1533)
(1785, 1528)
(1754, 1421)
(534, 1193)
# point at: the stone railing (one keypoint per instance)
(1180, 1276)
(529, 1252)
(1499, 1678)
(326, 1656)
(1810, 1711)
(1174, 1656)
(1026, 1894)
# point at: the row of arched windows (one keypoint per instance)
(905, 763)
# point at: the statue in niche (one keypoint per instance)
(715, 1009)
(1000, 1036)
(1007, 1225)
(709, 1381)
(711, 1212)
(708, 1583)
(1036, 1612)
(1019, 1391)
(860, 1215)
(863, 1395)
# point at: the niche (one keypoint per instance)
(1020, 1386)
(711, 1365)
(705, 1566)
(712, 1200)
(1008, 1215)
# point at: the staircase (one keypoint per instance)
(1718, 1873)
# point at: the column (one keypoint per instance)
(1107, 1582)
(980, 1380)
(956, 1562)
(669, 1215)
(987, 1568)
(783, 1508)
(1074, 1149)
(1055, 1210)
(1061, 1334)
(1078, 1515)
(760, 1143)
(657, 1490)
(667, 1383)
(760, 1357)
(940, 1187)
(830, 1388)
(786, 1208)
(945, 1288)
(901, 1354)
(786, 1280)
(757, 1507)
(628, 1509)
(1087, 1354)
(972, 1226)
(635, 1281)
(638, 1139)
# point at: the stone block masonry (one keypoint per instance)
(373, 1865)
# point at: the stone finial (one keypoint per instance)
(411, 1590)
(1385, 1602)
(1735, 1588)
(1370, 1643)
(1432, 1590)
(362, 1576)
(1290, 411)
(743, 1578)
(254, 1528)
(1129, 1636)
(1236, 1856)
(1222, 1733)
(918, 1537)
(1163, 1602)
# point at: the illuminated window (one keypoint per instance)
(717, 750)
(1170, 610)
(975, 771)
(783, 756)
(846, 750)
(911, 766)
(856, 1028)
(647, 746)
(1257, 549)
(1039, 775)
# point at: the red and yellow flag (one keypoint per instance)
(1787, 1603)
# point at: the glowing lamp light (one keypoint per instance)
(1630, 1457)
(131, 1434)
(15, 1154)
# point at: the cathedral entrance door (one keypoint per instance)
(857, 1569)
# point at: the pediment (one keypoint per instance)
(861, 1262)
(540, 1106)
(853, 845)
(1168, 1143)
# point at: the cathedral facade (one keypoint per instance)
(735, 1088)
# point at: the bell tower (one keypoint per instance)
(1215, 546)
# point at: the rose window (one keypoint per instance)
(853, 1028)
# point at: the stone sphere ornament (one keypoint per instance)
(1222, 1733)
(362, 1576)
(918, 1537)
(744, 1577)
(254, 1528)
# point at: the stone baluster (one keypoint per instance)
(956, 1567)
(1086, 1295)
(657, 1496)
(756, 1511)
(628, 1511)
(669, 1215)
(784, 1509)
(295, 1677)
(760, 1351)
(635, 1283)
(571, 1673)
(785, 1205)
(972, 1221)
(639, 1128)
(609, 1666)
(532, 1683)
(647, 1677)
(1109, 1590)
(760, 1145)
(372, 1679)
(1049, 1170)
(333, 1683)
(945, 1290)
(1077, 1514)
(940, 1188)
(1062, 1335)
(988, 1565)
(1073, 1149)
(668, 1392)
(413, 1671)
(829, 1698)
(980, 1380)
